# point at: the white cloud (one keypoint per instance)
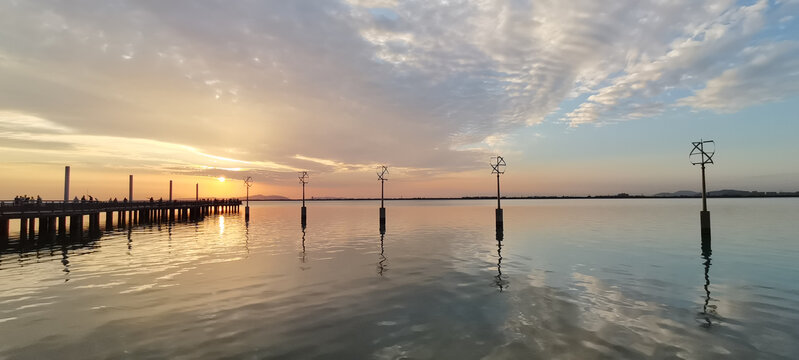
(702, 50)
(29, 136)
(771, 73)
(10, 120)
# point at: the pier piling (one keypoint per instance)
(109, 220)
(4, 229)
(52, 217)
(94, 224)
(76, 226)
(62, 225)
(51, 229)
(32, 226)
(23, 229)
(42, 227)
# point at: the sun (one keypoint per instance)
(221, 179)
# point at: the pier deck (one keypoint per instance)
(62, 218)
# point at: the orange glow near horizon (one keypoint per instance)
(48, 182)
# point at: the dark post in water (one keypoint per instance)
(248, 183)
(498, 167)
(303, 176)
(382, 176)
(700, 155)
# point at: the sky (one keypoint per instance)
(580, 97)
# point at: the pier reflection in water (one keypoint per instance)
(36, 251)
(65, 262)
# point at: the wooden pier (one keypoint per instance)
(62, 219)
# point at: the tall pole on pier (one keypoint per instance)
(197, 192)
(130, 188)
(382, 176)
(701, 154)
(303, 176)
(498, 167)
(248, 184)
(66, 184)
(170, 190)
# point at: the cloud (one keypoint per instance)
(698, 53)
(417, 84)
(770, 74)
(29, 137)
(337, 166)
(14, 121)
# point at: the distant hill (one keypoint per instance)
(268, 197)
(727, 193)
(681, 193)
(733, 193)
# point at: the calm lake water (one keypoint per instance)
(571, 279)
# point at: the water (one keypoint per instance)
(572, 279)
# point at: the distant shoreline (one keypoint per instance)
(720, 194)
(534, 198)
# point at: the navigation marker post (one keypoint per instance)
(701, 155)
(498, 167)
(303, 176)
(248, 184)
(382, 176)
